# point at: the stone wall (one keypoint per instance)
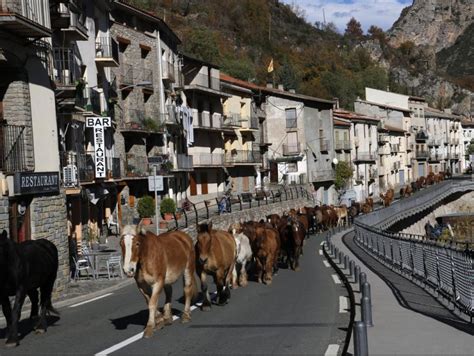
(49, 222)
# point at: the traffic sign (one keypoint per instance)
(155, 181)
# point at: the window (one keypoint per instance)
(290, 118)
(292, 167)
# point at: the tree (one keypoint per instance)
(288, 76)
(470, 148)
(376, 33)
(354, 29)
(343, 176)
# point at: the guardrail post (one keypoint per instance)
(286, 195)
(175, 221)
(336, 252)
(185, 218)
(366, 290)
(207, 209)
(340, 257)
(362, 279)
(195, 213)
(366, 310)
(346, 261)
(351, 268)
(361, 343)
(356, 274)
(240, 202)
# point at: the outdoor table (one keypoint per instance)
(95, 256)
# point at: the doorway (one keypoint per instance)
(204, 189)
(20, 220)
(192, 184)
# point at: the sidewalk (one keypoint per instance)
(407, 320)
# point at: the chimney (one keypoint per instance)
(293, 91)
(336, 105)
(269, 85)
(280, 87)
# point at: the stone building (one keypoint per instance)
(204, 96)
(364, 142)
(32, 203)
(300, 128)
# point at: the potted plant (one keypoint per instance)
(167, 208)
(146, 209)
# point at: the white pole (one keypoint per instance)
(157, 216)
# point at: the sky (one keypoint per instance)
(382, 13)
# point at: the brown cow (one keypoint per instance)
(406, 191)
(267, 248)
(216, 252)
(157, 262)
(273, 219)
(387, 197)
(342, 215)
(366, 208)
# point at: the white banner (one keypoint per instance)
(99, 124)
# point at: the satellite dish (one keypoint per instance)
(335, 161)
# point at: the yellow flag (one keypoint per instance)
(270, 66)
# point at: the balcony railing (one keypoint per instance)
(433, 142)
(136, 166)
(365, 156)
(12, 148)
(383, 138)
(324, 145)
(89, 100)
(183, 163)
(66, 68)
(435, 157)
(323, 175)
(291, 149)
(106, 51)
(421, 136)
(422, 154)
(208, 159)
(80, 167)
(113, 167)
(454, 155)
(396, 166)
(342, 145)
(37, 13)
(232, 121)
(242, 156)
(395, 147)
(208, 121)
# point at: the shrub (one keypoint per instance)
(146, 207)
(167, 206)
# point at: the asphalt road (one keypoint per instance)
(298, 314)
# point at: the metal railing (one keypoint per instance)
(342, 145)
(183, 162)
(208, 159)
(395, 147)
(136, 166)
(106, 48)
(89, 100)
(232, 120)
(35, 10)
(12, 148)
(242, 156)
(445, 268)
(66, 69)
(365, 156)
(191, 214)
(422, 154)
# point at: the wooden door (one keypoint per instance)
(245, 184)
(273, 172)
(20, 223)
(192, 184)
(204, 189)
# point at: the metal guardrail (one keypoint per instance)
(196, 213)
(445, 269)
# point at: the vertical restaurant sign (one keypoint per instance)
(99, 124)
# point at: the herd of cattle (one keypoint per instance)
(257, 248)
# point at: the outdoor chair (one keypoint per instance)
(114, 265)
(82, 264)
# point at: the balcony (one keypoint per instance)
(25, 18)
(232, 121)
(435, 157)
(264, 140)
(168, 71)
(88, 100)
(383, 138)
(146, 76)
(395, 148)
(421, 136)
(422, 155)
(126, 76)
(249, 124)
(454, 156)
(291, 149)
(410, 147)
(208, 160)
(396, 166)
(113, 168)
(76, 31)
(323, 175)
(106, 52)
(236, 157)
(13, 150)
(324, 145)
(139, 121)
(183, 163)
(66, 71)
(342, 145)
(434, 142)
(60, 15)
(206, 121)
(365, 157)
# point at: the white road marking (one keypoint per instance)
(320, 252)
(332, 350)
(343, 304)
(137, 337)
(336, 279)
(90, 300)
(326, 263)
(120, 345)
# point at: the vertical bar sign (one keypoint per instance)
(99, 124)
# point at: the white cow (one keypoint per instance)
(244, 255)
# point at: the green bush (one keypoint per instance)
(167, 206)
(146, 207)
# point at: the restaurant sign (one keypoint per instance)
(34, 183)
(99, 124)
